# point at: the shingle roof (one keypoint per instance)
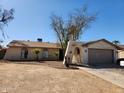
(18, 43)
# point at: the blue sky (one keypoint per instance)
(32, 19)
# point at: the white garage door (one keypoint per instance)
(100, 56)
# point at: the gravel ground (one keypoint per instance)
(50, 77)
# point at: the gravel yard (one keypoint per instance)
(50, 77)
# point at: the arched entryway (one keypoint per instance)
(76, 58)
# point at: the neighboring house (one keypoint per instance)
(121, 52)
(24, 50)
(93, 53)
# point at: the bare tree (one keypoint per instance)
(5, 17)
(58, 26)
(73, 28)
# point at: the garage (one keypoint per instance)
(100, 56)
(93, 52)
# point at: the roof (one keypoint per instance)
(19, 43)
(91, 42)
(122, 46)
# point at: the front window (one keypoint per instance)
(24, 53)
(45, 53)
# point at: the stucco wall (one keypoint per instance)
(121, 54)
(71, 48)
(85, 55)
(15, 54)
(101, 45)
(84, 49)
(12, 53)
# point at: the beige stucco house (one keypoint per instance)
(94, 52)
(24, 50)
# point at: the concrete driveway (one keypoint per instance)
(113, 74)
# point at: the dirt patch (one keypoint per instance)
(49, 77)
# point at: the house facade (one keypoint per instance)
(91, 53)
(25, 50)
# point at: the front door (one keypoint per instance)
(61, 54)
(24, 53)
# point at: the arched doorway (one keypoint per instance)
(76, 58)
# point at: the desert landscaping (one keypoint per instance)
(61, 46)
(50, 77)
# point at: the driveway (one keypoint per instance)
(113, 73)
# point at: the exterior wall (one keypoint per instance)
(121, 54)
(115, 55)
(12, 53)
(84, 49)
(15, 54)
(53, 54)
(85, 55)
(101, 45)
(70, 50)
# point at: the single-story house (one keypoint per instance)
(25, 50)
(92, 53)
